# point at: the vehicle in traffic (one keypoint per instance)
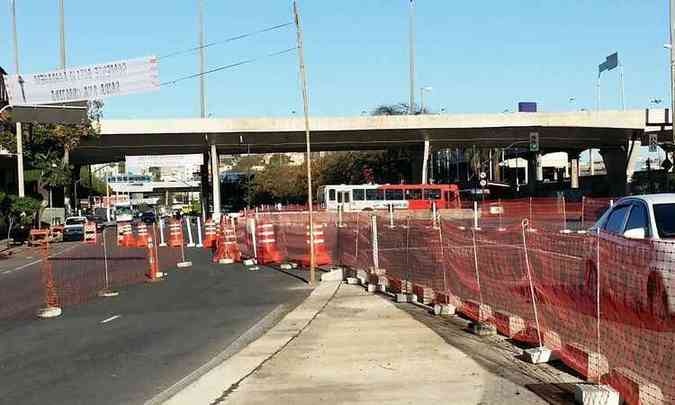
(368, 197)
(123, 212)
(148, 217)
(73, 229)
(651, 218)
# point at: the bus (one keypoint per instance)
(367, 197)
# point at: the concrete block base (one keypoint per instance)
(352, 281)
(382, 288)
(372, 288)
(538, 355)
(508, 324)
(589, 394)
(49, 312)
(250, 262)
(184, 265)
(225, 261)
(444, 309)
(633, 388)
(590, 364)
(334, 275)
(108, 293)
(482, 329)
(252, 268)
(285, 266)
(402, 298)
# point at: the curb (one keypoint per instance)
(214, 385)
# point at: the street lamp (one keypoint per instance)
(422, 90)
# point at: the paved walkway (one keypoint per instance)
(361, 349)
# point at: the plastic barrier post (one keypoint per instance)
(51, 308)
(391, 216)
(184, 264)
(434, 212)
(162, 243)
(191, 242)
(475, 216)
(106, 292)
(199, 232)
(376, 256)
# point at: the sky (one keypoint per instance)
(478, 56)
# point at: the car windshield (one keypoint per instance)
(664, 214)
(75, 221)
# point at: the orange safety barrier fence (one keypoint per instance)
(535, 283)
(77, 274)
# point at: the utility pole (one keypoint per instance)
(62, 65)
(202, 89)
(305, 99)
(19, 130)
(411, 107)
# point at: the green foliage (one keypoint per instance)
(20, 210)
(245, 163)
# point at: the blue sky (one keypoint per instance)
(479, 56)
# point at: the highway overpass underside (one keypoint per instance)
(609, 131)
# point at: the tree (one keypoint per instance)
(46, 146)
(20, 211)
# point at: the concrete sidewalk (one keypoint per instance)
(361, 348)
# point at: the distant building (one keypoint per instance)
(4, 98)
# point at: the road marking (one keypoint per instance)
(112, 318)
(39, 260)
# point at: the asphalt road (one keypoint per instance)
(155, 335)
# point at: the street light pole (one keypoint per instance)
(19, 130)
(62, 36)
(411, 107)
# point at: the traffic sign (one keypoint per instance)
(667, 165)
(534, 141)
(483, 175)
(483, 183)
(653, 142)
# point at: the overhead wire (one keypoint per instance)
(223, 41)
(230, 66)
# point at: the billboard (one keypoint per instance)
(84, 83)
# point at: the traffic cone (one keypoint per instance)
(153, 273)
(210, 235)
(321, 255)
(142, 238)
(267, 245)
(175, 234)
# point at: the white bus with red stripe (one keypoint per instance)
(368, 197)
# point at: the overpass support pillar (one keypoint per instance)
(419, 164)
(574, 172)
(204, 189)
(532, 173)
(616, 165)
(215, 175)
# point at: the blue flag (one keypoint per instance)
(610, 63)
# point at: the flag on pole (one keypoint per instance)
(610, 63)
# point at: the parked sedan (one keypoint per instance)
(74, 228)
(646, 217)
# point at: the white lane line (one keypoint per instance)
(39, 260)
(112, 318)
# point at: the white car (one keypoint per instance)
(645, 217)
(73, 229)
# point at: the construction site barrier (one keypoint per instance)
(604, 304)
(76, 274)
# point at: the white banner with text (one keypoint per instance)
(84, 83)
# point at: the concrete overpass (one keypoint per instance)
(572, 132)
(557, 131)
